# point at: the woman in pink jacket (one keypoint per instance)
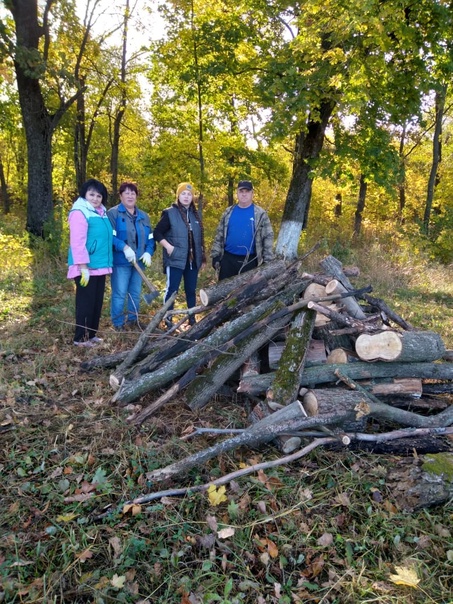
(90, 259)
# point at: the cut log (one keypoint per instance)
(386, 312)
(334, 267)
(381, 411)
(173, 346)
(221, 290)
(336, 400)
(358, 325)
(204, 386)
(286, 383)
(350, 304)
(407, 347)
(412, 387)
(338, 355)
(285, 386)
(324, 374)
(315, 291)
(172, 369)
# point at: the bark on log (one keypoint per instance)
(324, 374)
(407, 347)
(334, 267)
(221, 290)
(359, 326)
(350, 304)
(175, 367)
(386, 311)
(218, 315)
(285, 386)
(384, 412)
(329, 401)
(206, 385)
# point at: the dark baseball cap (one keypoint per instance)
(245, 184)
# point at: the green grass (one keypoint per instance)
(327, 529)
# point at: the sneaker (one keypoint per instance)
(168, 323)
(85, 344)
(96, 340)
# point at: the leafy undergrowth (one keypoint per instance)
(329, 528)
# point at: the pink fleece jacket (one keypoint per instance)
(78, 228)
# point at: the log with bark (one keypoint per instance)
(324, 374)
(406, 347)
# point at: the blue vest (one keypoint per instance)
(99, 236)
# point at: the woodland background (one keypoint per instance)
(339, 112)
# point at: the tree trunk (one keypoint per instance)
(360, 206)
(324, 374)
(407, 347)
(437, 157)
(308, 146)
(6, 200)
(120, 111)
(39, 125)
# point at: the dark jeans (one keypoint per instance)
(88, 307)
(232, 265)
(174, 278)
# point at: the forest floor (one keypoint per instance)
(333, 527)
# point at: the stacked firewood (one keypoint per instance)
(310, 351)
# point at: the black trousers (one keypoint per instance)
(232, 265)
(88, 307)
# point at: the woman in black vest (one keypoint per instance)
(180, 233)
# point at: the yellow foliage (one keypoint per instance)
(216, 496)
(405, 576)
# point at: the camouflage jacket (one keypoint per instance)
(264, 235)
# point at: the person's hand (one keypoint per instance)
(84, 277)
(146, 259)
(130, 254)
(216, 263)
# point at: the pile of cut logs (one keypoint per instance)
(313, 354)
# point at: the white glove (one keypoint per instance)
(146, 259)
(130, 254)
(84, 277)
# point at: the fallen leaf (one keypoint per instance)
(212, 522)
(325, 540)
(133, 508)
(118, 581)
(405, 576)
(226, 532)
(116, 545)
(216, 496)
(85, 555)
(66, 517)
